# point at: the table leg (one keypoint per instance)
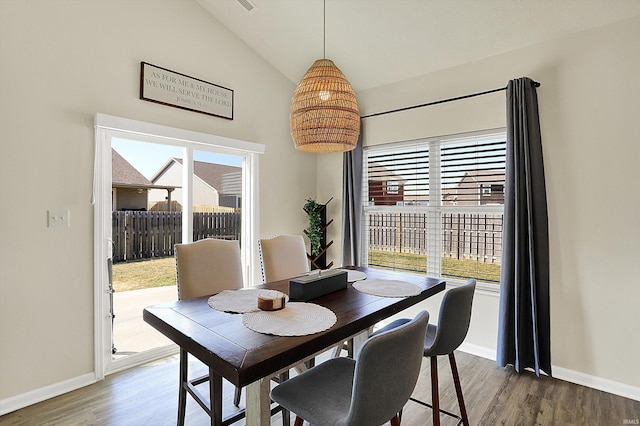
(258, 403)
(359, 339)
(215, 397)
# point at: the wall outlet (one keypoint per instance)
(58, 218)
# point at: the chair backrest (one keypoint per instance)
(453, 319)
(207, 266)
(282, 257)
(386, 373)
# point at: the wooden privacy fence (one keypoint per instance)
(464, 236)
(147, 234)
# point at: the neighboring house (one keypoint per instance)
(477, 188)
(213, 184)
(385, 187)
(129, 188)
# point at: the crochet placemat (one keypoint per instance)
(387, 288)
(238, 301)
(296, 319)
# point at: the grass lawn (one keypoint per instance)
(454, 268)
(144, 273)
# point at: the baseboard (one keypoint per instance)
(476, 350)
(605, 385)
(17, 402)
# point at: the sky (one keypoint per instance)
(147, 158)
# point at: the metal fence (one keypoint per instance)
(147, 234)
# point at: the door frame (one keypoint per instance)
(108, 127)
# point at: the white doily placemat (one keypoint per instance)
(387, 288)
(296, 319)
(238, 301)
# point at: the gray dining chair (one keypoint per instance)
(442, 339)
(368, 391)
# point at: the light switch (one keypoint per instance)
(58, 218)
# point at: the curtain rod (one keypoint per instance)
(534, 83)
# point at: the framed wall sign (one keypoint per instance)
(167, 87)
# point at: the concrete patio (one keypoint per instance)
(131, 334)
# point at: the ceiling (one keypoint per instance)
(378, 42)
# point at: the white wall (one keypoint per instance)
(589, 108)
(61, 63)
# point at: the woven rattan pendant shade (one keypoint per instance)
(324, 112)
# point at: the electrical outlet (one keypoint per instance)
(58, 218)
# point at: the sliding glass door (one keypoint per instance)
(152, 192)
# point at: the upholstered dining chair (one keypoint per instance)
(285, 256)
(368, 391)
(442, 339)
(203, 268)
(282, 257)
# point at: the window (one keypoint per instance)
(435, 206)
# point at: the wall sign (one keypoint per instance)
(181, 91)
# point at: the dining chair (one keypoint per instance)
(368, 391)
(282, 257)
(442, 339)
(204, 267)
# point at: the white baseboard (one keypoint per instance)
(476, 350)
(17, 402)
(605, 385)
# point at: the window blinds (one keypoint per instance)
(435, 206)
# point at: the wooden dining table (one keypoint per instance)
(249, 359)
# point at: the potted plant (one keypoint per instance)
(314, 231)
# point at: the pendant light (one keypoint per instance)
(324, 111)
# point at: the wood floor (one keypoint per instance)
(147, 395)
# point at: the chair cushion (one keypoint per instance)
(327, 392)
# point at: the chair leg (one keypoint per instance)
(435, 401)
(298, 421)
(236, 397)
(286, 414)
(456, 381)
(182, 391)
(395, 421)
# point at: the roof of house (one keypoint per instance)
(210, 173)
(378, 172)
(485, 175)
(123, 173)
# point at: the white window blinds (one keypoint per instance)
(435, 206)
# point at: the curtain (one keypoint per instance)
(524, 326)
(352, 203)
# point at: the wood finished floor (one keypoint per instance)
(147, 395)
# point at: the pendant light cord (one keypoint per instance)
(324, 29)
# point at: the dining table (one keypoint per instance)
(249, 359)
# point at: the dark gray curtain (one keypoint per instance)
(524, 326)
(352, 203)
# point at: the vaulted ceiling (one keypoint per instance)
(378, 42)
